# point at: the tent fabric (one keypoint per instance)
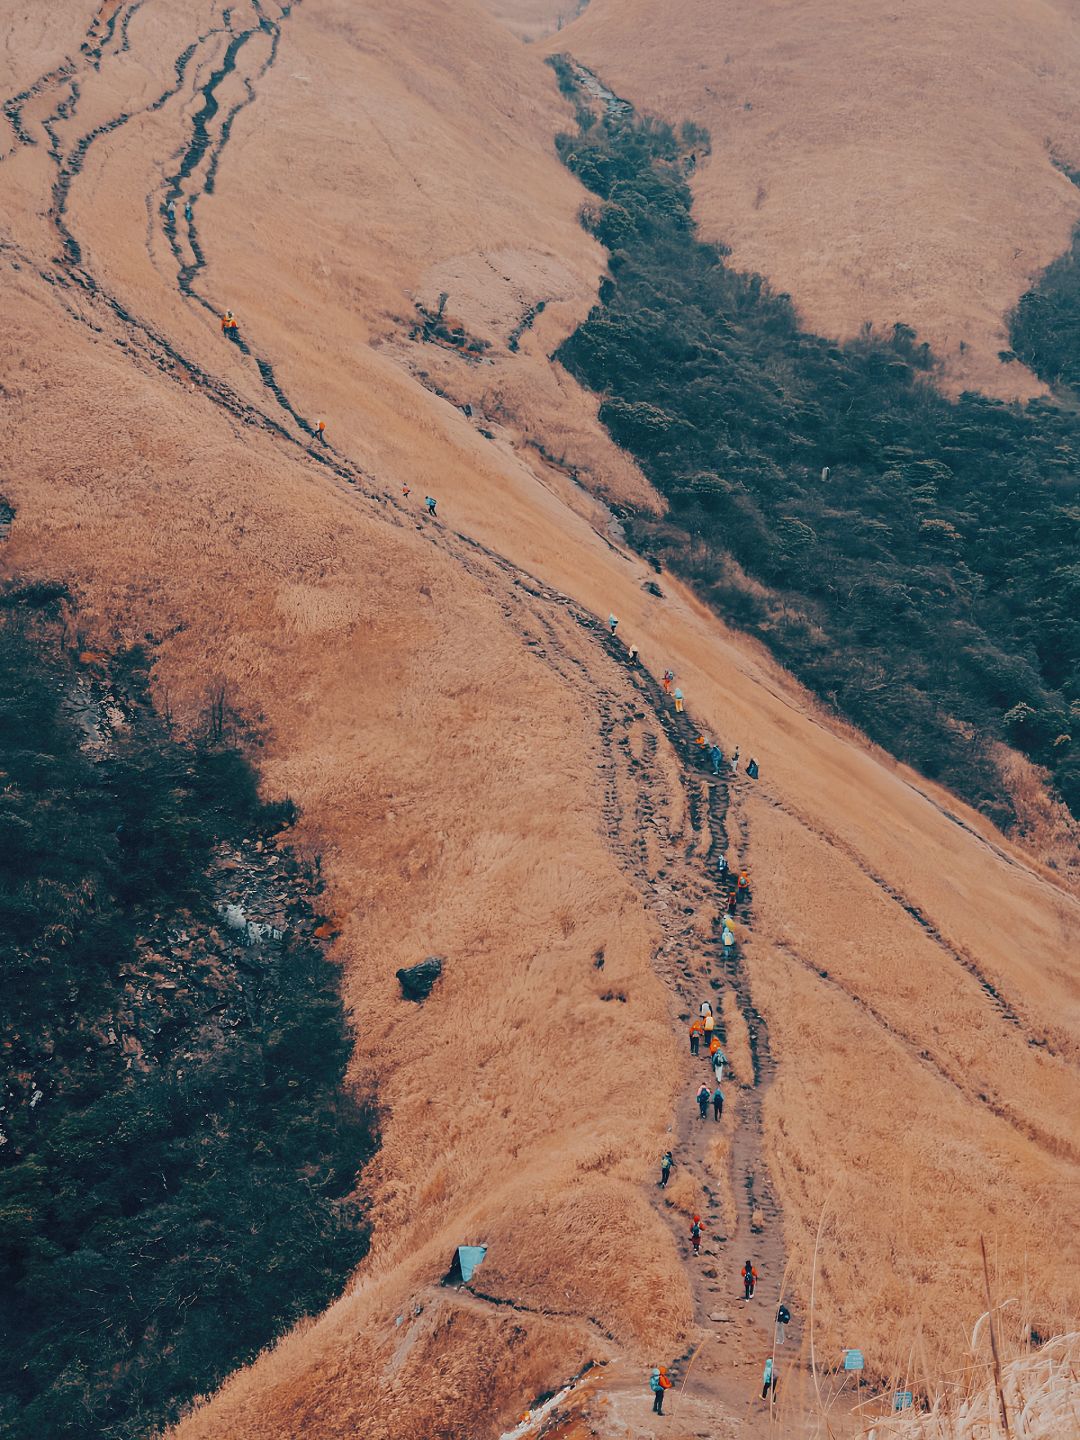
(469, 1257)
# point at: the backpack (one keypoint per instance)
(654, 1381)
(783, 1315)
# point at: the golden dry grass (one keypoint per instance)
(448, 772)
(887, 163)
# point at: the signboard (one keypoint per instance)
(853, 1360)
(902, 1400)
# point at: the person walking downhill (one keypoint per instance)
(783, 1319)
(668, 681)
(703, 1096)
(430, 502)
(631, 655)
(718, 1103)
(613, 623)
(768, 1379)
(678, 702)
(665, 1169)
(659, 1383)
(697, 1029)
(749, 1280)
(406, 490)
(695, 1234)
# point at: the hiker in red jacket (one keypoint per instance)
(749, 1280)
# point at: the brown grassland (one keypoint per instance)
(433, 698)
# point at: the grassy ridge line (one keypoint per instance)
(178, 1192)
(912, 559)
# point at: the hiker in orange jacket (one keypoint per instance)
(749, 1280)
(659, 1382)
(714, 1045)
(697, 1029)
(228, 325)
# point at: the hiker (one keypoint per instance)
(714, 1045)
(742, 889)
(705, 1008)
(717, 1103)
(703, 1101)
(678, 702)
(735, 762)
(719, 1060)
(631, 656)
(728, 937)
(749, 1280)
(783, 1318)
(320, 430)
(768, 1379)
(733, 899)
(613, 623)
(189, 213)
(716, 755)
(406, 490)
(228, 325)
(658, 1383)
(701, 743)
(752, 769)
(668, 681)
(695, 1234)
(721, 864)
(710, 1025)
(665, 1169)
(429, 501)
(170, 211)
(697, 1029)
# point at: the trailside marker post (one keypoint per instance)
(853, 1360)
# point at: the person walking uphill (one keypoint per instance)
(749, 1280)
(665, 1169)
(695, 1234)
(718, 1104)
(768, 1379)
(613, 623)
(430, 502)
(659, 1383)
(229, 327)
(703, 1097)
(697, 1029)
(678, 702)
(716, 755)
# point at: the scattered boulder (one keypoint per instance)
(417, 980)
(721, 1317)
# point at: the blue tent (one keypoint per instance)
(468, 1258)
(463, 1266)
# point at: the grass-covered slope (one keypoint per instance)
(912, 559)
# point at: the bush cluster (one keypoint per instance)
(919, 555)
(160, 1221)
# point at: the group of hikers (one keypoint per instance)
(703, 1032)
(709, 748)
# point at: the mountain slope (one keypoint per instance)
(440, 701)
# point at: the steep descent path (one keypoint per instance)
(668, 820)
